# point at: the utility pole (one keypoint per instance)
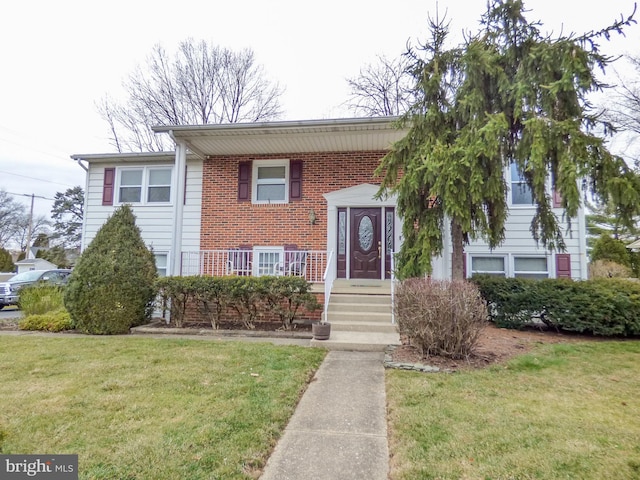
(30, 229)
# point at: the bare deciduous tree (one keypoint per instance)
(381, 89)
(624, 106)
(11, 213)
(202, 84)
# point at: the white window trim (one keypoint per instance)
(470, 270)
(254, 180)
(256, 258)
(524, 206)
(144, 193)
(512, 266)
(509, 264)
(168, 266)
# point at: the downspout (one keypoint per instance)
(86, 200)
(178, 205)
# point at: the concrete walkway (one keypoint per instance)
(339, 429)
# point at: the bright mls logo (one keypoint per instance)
(49, 467)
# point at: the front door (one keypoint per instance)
(365, 243)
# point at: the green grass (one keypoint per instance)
(565, 411)
(140, 408)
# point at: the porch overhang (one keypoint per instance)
(308, 136)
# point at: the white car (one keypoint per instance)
(9, 290)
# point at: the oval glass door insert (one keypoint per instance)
(365, 233)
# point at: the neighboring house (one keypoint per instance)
(34, 264)
(291, 198)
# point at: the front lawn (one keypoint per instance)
(140, 408)
(563, 411)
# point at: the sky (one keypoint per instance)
(61, 57)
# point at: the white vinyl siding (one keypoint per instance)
(155, 220)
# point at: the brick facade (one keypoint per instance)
(229, 223)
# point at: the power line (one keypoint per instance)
(34, 178)
(29, 195)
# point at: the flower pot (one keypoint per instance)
(321, 331)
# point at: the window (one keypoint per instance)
(520, 191)
(510, 265)
(159, 185)
(270, 181)
(267, 260)
(488, 266)
(161, 263)
(144, 185)
(530, 267)
(130, 186)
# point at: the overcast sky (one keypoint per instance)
(60, 57)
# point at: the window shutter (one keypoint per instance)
(295, 180)
(557, 199)
(563, 265)
(244, 181)
(108, 185)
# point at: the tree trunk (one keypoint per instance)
(457, 253)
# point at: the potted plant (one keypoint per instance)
(321, 330)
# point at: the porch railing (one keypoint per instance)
(309, 264)
(328, 278)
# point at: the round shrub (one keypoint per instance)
(112, 287)
(440, 317)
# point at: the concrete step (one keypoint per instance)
(359, 317)
(341, 298)
(363, 327)
(363, 308)
(362, 287)
(357, 341)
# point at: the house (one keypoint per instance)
(34, 264)
(291, 198)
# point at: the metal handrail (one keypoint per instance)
(328, 278)
(393, 288)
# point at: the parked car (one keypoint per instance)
(9, 290)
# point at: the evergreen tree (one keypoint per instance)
(508, 95)
(611, 249)
(112, 286)
(6, 262)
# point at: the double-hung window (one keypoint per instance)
(161, 263)
(144, 185)
(510, 265)
(488, 266)
(270, 181)
(520, 191)
(530, 267)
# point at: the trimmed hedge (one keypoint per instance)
(607, 307)
(54, 321)
(248, 298)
